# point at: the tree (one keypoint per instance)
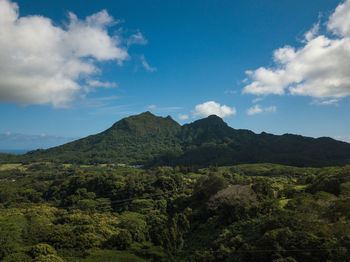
(10, 236)
(42, 250)
(122, 240)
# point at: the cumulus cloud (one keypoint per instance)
(257, 109)
(309, 35)
(254, 110)
(42, 63)
(146, 65)
(183, 116)
(339, 21)
(213, 108)
(319, 69)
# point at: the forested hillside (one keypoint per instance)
(155, 141)
(255, 212)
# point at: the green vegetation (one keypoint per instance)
(252, 212)
(152, 141)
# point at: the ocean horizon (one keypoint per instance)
(15, 151)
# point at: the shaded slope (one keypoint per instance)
(136, 139)
(151, 140)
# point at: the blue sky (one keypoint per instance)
(74, 69)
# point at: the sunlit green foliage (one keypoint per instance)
(260, 212)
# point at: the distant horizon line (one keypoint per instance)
(15, 151)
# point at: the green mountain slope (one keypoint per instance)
(151, 140)
(132, 140)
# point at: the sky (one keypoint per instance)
(69, 69)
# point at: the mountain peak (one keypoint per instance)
(214, 118)
(147, 113)
(207, 129)
(146, 123)
(211, 121)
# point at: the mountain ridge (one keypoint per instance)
(153, 140)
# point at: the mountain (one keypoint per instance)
(136, 139)
(151, 140)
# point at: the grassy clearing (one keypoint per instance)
(300, 187)
(4, 167)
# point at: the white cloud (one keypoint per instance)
(146, 65)
(339, 21)
(183, 117)
(213, 108)
(329, 102)
(309, 35)
(270, 109)
(97, 83)
(42, 63)
(151, 107)
(345, 138)
(137, 39)
(319, 69)
(326, 102)
(258, 99)
(257, 109)
(254, 110)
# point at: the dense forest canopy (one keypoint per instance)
(254, 212)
